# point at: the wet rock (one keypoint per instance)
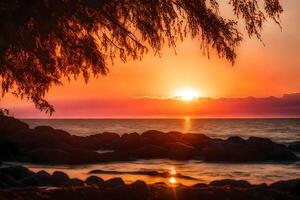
(151, 151)
(236, 139)
(94, 180)
(290, 186)
(8, 181)
(200, 185)
(44, 129)
(180, 151)
(140, 190)
(114, 182)
(158, 138)
(31, 181)
(76, 182)
(295, 146)
(43, 177)
(60, 178)
(239, 150)
(196, 140)
(11, 125)
(17, 172)
(50, 156)
(98, 141)
(128, 141)
(230, 182)
(83, 156)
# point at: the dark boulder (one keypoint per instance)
(128, 141)
(9, 151)
(236, 149)
(8, 181)
(17, 172)
(231, 183)
(114, 182)
(79, 156)
(151, 151)
(60, 178)
(180, 151)
(158, 138)
(76, 182)
(290, 186)
(11, 125)
(98, 141)
(49, 156)
(94, 180)
(43, 177)
(140, 190)
(31, 181)
(44, 129)
(200, 185)
(193, 139)
(236, 139)
(295, 146)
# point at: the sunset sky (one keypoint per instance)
(260, 71)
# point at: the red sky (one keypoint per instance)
(260, 71)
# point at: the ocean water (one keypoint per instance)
(193, 171)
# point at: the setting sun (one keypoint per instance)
(187, 94)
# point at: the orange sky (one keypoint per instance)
(270, 70)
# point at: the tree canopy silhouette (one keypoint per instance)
(42, 41)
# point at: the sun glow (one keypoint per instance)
(187, 94)
(172, 180)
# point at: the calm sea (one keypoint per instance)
(280, 130)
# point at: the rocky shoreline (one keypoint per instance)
(20, 183)
(46, 145)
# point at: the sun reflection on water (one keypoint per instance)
(187, 124)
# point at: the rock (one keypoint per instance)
(114, 182)
(158, 138)
(9, 151)
(50, 156)
(94, 180)
(238, 150)
(128, 141)
(79, 156)
(31, 181)
(236, 139)
(151, 151)
(194, 140)
(290, 186)
(43, 177)
(16, 172)
(60, 178)
(180, 151)
(98, 141)
(76, 182)
(295, 146)
(140, 190)
(11, 125)
(200, 185)
(230, 182)
(8, 181)
(44, 129)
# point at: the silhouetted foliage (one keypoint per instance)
(42, 41)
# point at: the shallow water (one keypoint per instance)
(202, 172)
(280, 130)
